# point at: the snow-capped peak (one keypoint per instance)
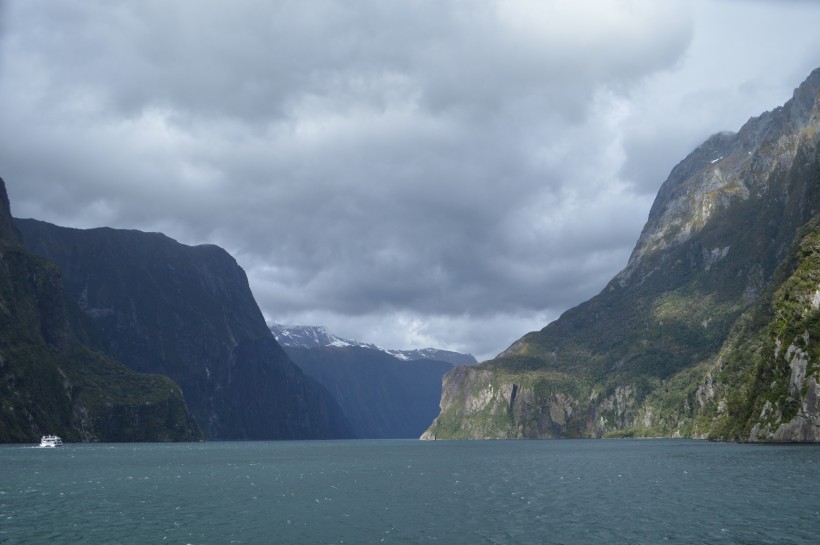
(315, 336)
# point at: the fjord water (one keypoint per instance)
(500, 492)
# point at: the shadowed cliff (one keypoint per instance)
(51, 382)
(188, 313)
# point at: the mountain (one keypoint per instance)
(711, 329)
(763, 385)
(52, 382)
(188, 313)
(314, 336)
(381, 396)
(383, 393)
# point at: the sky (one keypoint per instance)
(445, 173)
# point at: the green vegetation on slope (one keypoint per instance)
(679, 343)
(50, 383)
(762, 380)
(187, 312)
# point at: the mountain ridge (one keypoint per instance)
(52, 381)
(632, 359)
(316, 336)
(187, 312)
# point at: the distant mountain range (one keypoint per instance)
(314, 336)
(711, 330)
(383, 393)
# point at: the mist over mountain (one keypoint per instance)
(711, 329)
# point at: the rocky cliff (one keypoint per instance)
(188, 313)
(664, 349)
(51, 382)
(763, 386)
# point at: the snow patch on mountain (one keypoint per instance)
(316, 336)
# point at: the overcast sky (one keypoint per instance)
(419, 173)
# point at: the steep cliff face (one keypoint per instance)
(763, 385)
(188, 313)
(8, 231)
(51, 383)
(726, 169)
(642, 357)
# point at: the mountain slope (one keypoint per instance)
(383, 393)
(382, 396)
(632, 359)
(51, 383)
(764, 384)
(188, 313)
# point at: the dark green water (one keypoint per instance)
(354, 492)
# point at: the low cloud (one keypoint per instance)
(444, 173)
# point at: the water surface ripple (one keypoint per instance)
(493, 492)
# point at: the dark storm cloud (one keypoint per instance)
(450, 173)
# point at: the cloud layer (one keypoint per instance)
(447, 173)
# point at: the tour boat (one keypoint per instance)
(51, 441)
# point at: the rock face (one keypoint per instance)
(188, 313)
(674, 345)
(778, 341)
(51, 382)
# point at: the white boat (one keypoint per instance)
(51, 441)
